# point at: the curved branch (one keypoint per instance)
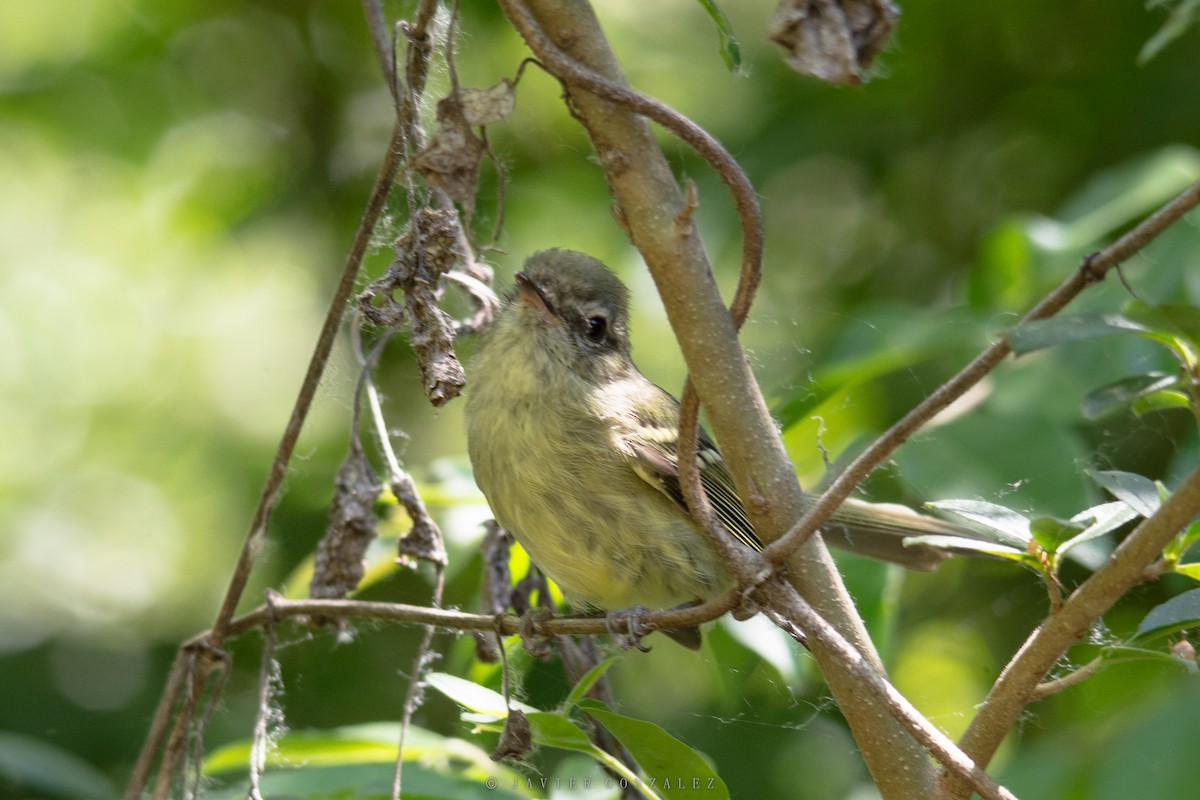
(648, 194)
(573, 73)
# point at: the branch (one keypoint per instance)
(1093, 269)
(1125, 568)
(884, 694)
(256, 537)
(446, 619)
(650, 201)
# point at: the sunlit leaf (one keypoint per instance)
(1180, 544)
(359, 760)
(963, 544)
(1190, 570)
(1173, 324)
(1141, 494)
(1009, 527)
(1165, 317)
(351, 744)
(1099, 520)
(1161, 401)
(477, 698)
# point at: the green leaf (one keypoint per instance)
(1189, 570)
(473, 696)
(731, 50)
(1126, 391)
(1180, 544)
(1160, 401)
(671, 767)
(1099, 520)
(1140, 494)
(1117, 653)
(1174, 318)
(358, 761)
(768, 641)
(551, 729)
(1042, 333)
(374, 782)
(1117, 197)
(1050, 532)
(580, 689)
(42, 768)
(1178, 613)
(351, 744)
(1182, 17)
(1009, 527)
(897, 344)
(963, 544)
(1175, 325)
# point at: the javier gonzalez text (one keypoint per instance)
(698, 784)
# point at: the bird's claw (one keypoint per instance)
(536, 643)
(626, 628)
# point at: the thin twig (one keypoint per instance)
(1075, 676)
(377, 22)
(745, 199)
(450, 620)
(197, 672)
(412, 696)
(1091, 270)
(200, 728)
(272, 489)
(1124, 569)
(266, 677)
(163, 715)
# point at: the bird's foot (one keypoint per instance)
(626, 628)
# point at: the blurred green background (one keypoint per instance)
(180, 182)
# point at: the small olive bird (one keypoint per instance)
(576, 452)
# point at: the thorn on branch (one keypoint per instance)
(1088, 269)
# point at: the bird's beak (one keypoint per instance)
(529, 293)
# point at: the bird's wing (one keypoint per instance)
(655, 458)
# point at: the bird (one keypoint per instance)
(576, 452)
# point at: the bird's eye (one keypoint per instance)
(597, 328)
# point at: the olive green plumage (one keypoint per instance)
(575, 451)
